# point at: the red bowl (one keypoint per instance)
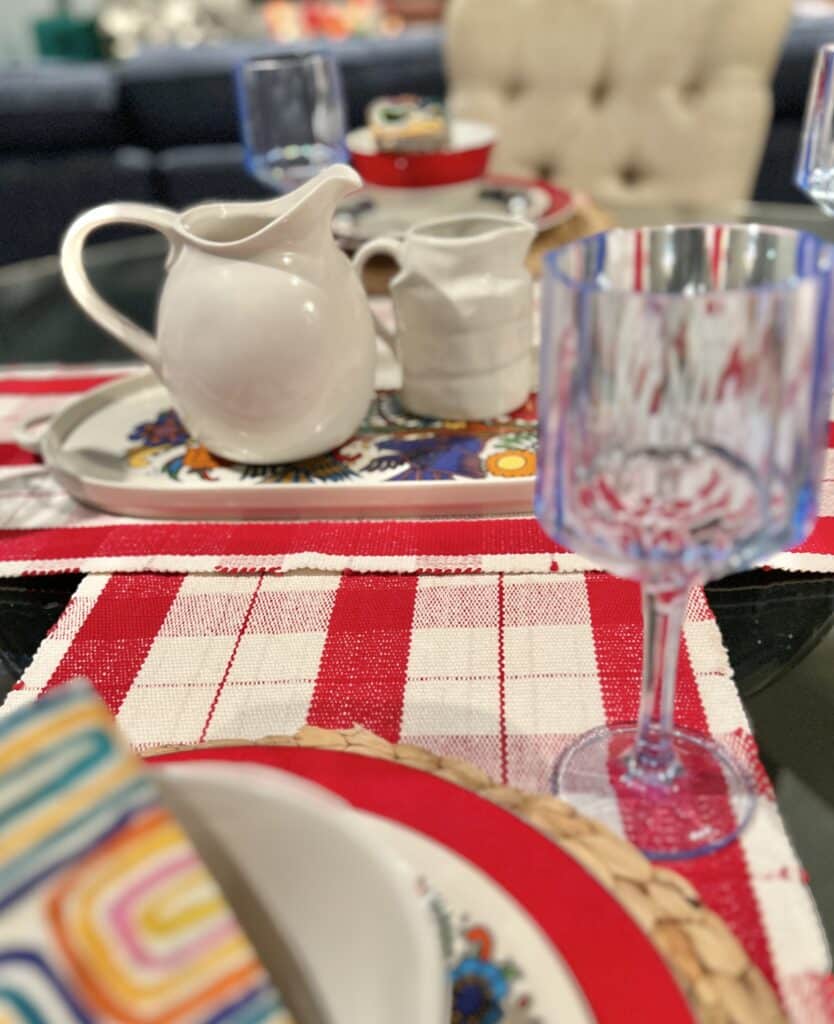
(464, 159)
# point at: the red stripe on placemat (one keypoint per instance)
(12, 455)
(816, 994)
(638, 260)
(231, 659)
(722, 878)
(110, 647)
(716, 268)
(821, 538)
(502, 685)
(735, 901)
(53, 385)
(362, 674)
(382, 538)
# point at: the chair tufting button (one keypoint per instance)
(600, 92)
(513, 88)
(546, 171)
(632, 174)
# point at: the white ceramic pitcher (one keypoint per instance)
(264, 336)
(463, 300)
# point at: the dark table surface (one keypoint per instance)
(777, 626)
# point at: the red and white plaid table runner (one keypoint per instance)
(503, 670)
(43, 530)
(503, 665)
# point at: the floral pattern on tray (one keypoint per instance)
(390, 445)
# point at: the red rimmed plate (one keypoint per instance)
(372, 212)
(619, 973)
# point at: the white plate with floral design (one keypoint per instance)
(503, 966)
(303, 864)
(530, 936)
(122, 448)
(499, 959)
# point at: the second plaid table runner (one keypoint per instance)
(43, 530)
(501, 670)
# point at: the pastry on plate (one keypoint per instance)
(407, 124)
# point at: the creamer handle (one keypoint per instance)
(384, 246)
(75, 276)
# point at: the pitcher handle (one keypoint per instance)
(75, 276)
(384, 246)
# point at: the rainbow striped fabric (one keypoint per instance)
(106, 911)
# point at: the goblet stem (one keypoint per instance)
(652, 760)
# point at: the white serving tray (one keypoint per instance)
(116, 449)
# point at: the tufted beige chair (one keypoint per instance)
(637, 102)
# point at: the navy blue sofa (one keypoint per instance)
(163, 126)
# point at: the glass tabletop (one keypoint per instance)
(777, 626)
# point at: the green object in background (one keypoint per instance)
(64, 36)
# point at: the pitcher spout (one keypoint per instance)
(311, 206)
(240, 229)
(325, 191)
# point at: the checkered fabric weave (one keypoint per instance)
(43, 530)
(503, 670)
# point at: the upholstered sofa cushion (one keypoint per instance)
(411, 62)
(175, 97)
(186, 175)
(57, 106)
(638, 103)
(39, 197)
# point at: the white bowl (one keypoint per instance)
(353, 914)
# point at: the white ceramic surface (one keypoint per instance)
(473, 900)
(463, 135)
(264, 336)
(323, 877)
(84, 447)
(372, 212)
(463, 301)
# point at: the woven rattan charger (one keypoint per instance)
(720, 982)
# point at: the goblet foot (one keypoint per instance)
(700, 806)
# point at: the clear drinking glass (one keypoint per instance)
(292, 117)
(684, 391)
(814, 172)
